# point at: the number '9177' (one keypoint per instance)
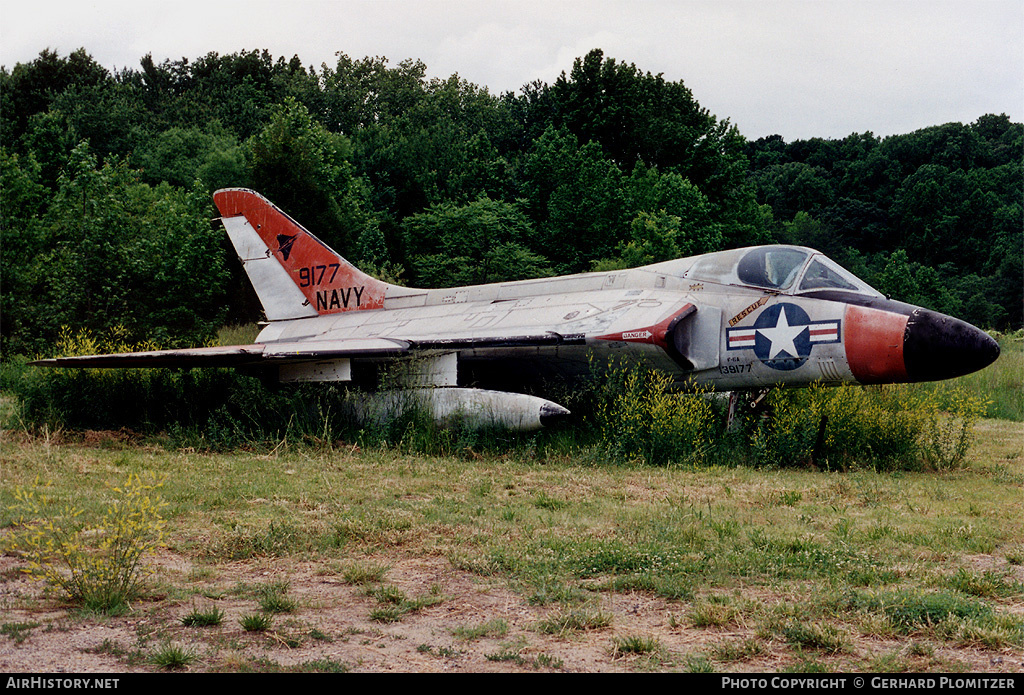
(316, 274)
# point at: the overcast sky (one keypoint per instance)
(798, 68)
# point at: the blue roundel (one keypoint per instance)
(782, 339)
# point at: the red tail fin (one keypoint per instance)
(328, 282)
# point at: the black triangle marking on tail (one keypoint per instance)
(284, 245)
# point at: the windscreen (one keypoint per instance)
(824, 273)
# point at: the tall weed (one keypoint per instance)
(94, 563)
(639, 418)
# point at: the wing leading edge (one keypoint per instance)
(236, 355)
(268, 354)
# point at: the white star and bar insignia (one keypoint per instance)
(783, 335)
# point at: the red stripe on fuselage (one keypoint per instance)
(656, 334)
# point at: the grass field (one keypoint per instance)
(403, 562)
(291, 557)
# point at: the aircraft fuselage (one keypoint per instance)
(727, 336)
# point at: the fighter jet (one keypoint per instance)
(736, 320)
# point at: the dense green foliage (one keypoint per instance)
(106, 178)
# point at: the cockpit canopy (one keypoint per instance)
(786, 269)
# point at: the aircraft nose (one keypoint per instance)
(936, 346)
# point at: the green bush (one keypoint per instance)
(638, 417)
(887, 427)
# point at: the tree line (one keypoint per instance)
(107, 220)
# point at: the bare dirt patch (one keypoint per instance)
(475, 625)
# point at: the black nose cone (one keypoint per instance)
(936, 346)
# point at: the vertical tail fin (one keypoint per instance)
(294, 274)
